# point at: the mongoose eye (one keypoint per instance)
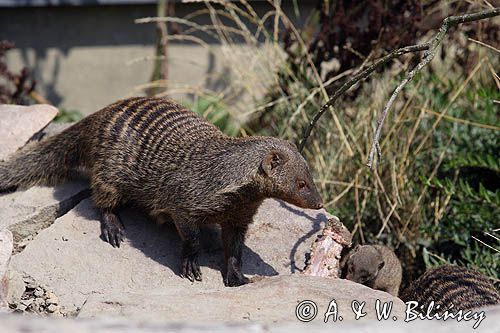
(301, 184)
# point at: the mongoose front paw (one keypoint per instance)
(235, 278)
(191, 268)
(113, 230)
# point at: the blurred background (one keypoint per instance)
(85, 54)
(266, 67)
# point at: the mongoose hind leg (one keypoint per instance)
(106, 199)
(190, 235)
(233, 236)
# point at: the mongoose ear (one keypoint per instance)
(270, 161)
(381, 265)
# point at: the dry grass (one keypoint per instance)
(385, 205)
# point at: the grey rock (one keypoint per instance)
(6, 247)
(55, 314)
(32, 324)
(51, 298)
(30, 282)
(19, 123)
(148, 260)
(21, 307)
(35, 299)
(38, 303)
(27, 302)
(272, 299)
(16, 287)
(51, 301)
(52, 129)
(51, 308)
(281, 235)
(24, 213)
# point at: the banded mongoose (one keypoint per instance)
(172, 163)
(375, 266)
(466, 289)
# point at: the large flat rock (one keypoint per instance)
(32, 324)
(272, 299)
(70, 259)
(19, 123)
(24, 213)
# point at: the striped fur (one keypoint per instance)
(464, 288)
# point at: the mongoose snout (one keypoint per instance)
(291, 178)
(309, 196)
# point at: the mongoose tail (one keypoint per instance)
(44, 163)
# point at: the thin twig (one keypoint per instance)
(375, 142)
(462, 121)
(489, 246)
(484, 44)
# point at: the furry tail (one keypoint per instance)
(47, 162)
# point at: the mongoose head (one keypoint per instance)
(364, 264)
(286, 176)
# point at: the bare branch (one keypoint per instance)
(430, 47)
(380, 122)
(435, 43)
(355, 79)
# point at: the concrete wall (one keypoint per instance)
(86, 57)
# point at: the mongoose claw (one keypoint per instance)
(191, 269)
(114, 237)
(235, 278)
(113, 231)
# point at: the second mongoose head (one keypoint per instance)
(284, 174)
(364, 264)
(375, 266)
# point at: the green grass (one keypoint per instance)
(68, 116)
